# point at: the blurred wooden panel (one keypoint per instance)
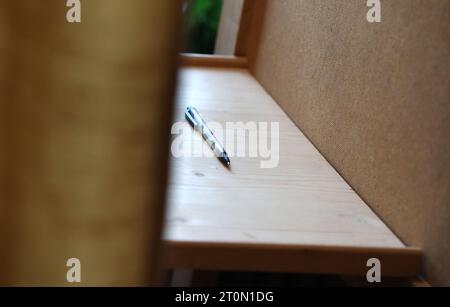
(4, 213)
(89, 109)
(374, 99)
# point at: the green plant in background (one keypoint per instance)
(201, 23)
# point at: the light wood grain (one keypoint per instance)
(302, 204)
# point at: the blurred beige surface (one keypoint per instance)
(229, 27)
(89, 108)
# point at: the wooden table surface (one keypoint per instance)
(299, 217)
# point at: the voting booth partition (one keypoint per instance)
(85, 115)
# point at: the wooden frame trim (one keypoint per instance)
(201, 60)
(253, 14)
(245, 51)
(395, 262)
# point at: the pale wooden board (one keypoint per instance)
(303, 202)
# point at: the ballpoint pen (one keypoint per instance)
(197, 122)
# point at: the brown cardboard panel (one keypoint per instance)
(375, 100)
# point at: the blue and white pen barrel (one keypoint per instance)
(199, 124)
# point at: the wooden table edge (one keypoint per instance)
(218, 61)
(395, 262)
